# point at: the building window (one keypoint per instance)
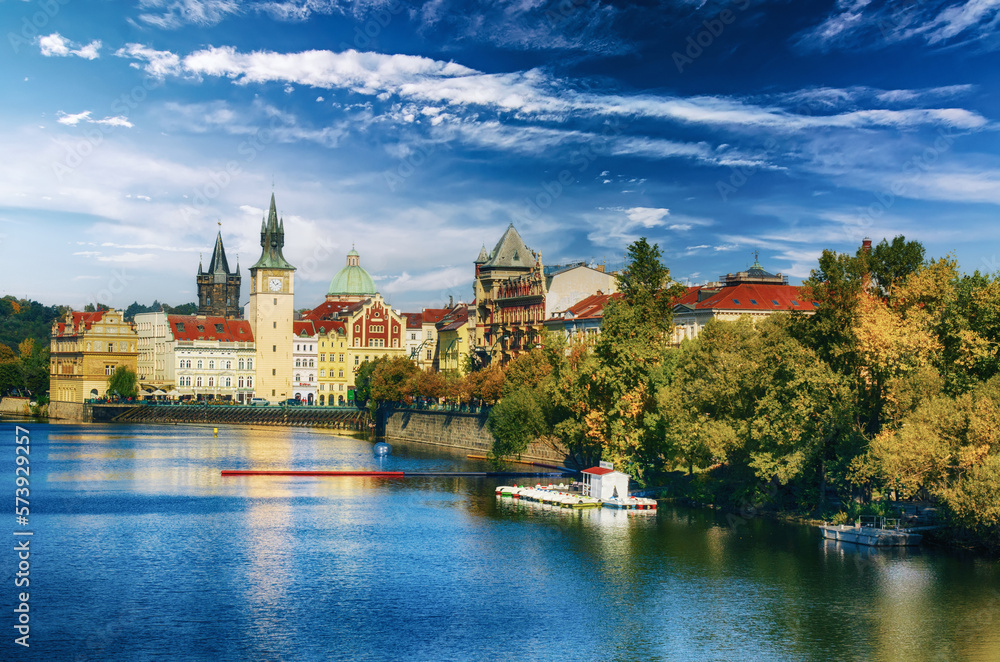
(109, 370)
(395, 342)
(197, 381)
(322, 357)
(249, 364)
(229, 365)
(241, 364)
(298, 363)
(341, 373)
(229, 382)
(274, 372)
(275, 303)
(211, 365)
(311, 363)
(249, 382)
(275, 325)
(357, 360)
(199, 366)
(341, 359)
(211, 382)
(240, 382)
(322, 373)
(312, 378)
(429, 353)
(298, 377)
(274, 348)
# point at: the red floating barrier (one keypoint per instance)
(256, 472)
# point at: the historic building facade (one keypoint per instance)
(155, 365)
(218, 288)
(214, 357)
(510, 298)
(306, 356)
(353, 325)
(754, 293)
(85, 350)
(271, 311)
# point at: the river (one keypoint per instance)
(141, 550)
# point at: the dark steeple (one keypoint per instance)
(272, 239)
(219, 264)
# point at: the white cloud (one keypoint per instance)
(647, 217)
(55, 45)
(530, 94)
(170, 14)
(73, 120)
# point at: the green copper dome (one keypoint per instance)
(352, 280)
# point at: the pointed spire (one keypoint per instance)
(219, 264)
(272, 239)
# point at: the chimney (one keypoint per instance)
(451, 303)
(866, 245)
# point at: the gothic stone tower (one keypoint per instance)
(270, 311)
(218, 289)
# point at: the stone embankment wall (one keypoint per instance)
(11, 405)
(455, 429)
(69, 411)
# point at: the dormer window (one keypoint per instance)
(736, 301)
(219, 328)
(180, 327)
(201, 328)
(753, 301)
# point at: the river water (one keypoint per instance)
(142, 551)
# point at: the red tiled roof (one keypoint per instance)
(434, 315)
(413, 320)
(329, 326)
(326, 310)
(303, 327)
(590, 308)
(81, 322)
(747, 296)
(598, 471)
(454, 320)
(212, 328)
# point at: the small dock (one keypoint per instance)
(874, 532)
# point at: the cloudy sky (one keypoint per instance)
(416, 131)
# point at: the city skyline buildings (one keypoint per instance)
(713, 129)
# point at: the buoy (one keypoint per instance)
(382, 448)
(215, 432)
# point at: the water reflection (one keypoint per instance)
(277, 567)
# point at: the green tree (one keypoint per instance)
(515, 422)
(892, 264)
(622, 383)
(123, 383)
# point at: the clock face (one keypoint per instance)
(274, 284)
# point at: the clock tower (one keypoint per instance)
(271, 311)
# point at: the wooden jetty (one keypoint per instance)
(875, 532)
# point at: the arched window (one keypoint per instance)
(200, 365)
(321, 400)
(229, 365)
(240, 382)
(249, 382)
(298, 363)
(298, 377)
(312, 378)
(241, 366)
(311, 364)
(229, 382)
(211, 381)
(197, 382)
(211, 365)
(249, 364)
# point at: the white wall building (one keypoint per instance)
(305, 358)
(213, 357)
(156, 350)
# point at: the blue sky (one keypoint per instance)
(417, 131)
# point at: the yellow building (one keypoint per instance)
(271, 312)
(455, 334)
(86, 348)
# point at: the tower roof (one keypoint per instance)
(483, 257)
(511, 251)
(272, 239)
(219, 264)
(352, 280)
